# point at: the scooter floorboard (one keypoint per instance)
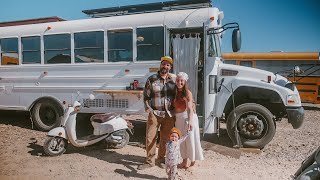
(90, 137)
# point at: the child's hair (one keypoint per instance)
(176, 130)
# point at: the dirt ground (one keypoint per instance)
(22, 157)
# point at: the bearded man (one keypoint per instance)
(159, 93)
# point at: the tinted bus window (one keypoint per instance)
(150, 43)
(57, 49)
(89, 47)
(120, 46)
(31, 50)
(9, 51)
(246, 63)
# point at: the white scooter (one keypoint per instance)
(109, 127)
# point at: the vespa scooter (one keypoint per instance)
(109, 127)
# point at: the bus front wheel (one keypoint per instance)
(254, 124)
(45, 115)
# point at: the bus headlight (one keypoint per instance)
(292, 99)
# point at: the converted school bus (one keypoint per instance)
(67, 61)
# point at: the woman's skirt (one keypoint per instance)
(191, 147)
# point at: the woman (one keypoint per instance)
(187, 120)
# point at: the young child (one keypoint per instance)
(173, 152)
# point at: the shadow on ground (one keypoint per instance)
(221, 139)
(99, 150)
(84, 127)
(16, 118)
(311, 107)
(129, 161)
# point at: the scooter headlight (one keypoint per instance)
(129, 124)
(77, 108)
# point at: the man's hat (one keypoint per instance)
(175, 130)
(167, 58)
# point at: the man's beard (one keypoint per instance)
(163, 71)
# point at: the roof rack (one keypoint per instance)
(148, 8)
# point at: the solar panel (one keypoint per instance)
(147, 8)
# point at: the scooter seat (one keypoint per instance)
(102, 118)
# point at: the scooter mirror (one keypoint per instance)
(76, 103)
(91, 97)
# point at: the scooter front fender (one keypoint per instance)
(58, 131)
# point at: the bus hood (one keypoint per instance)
(248, 72)
(229, 71)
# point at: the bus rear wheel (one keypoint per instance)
(45, 115)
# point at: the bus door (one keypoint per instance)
(187, 52)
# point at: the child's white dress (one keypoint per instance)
(173, 156)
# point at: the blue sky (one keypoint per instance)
(266, 25)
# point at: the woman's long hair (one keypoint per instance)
(183, 93)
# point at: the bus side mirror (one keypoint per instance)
(236, 40)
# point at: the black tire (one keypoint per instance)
(125, 140)
(255, 125)
(55, 146)
(45, 115)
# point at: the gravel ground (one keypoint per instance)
(22, 157)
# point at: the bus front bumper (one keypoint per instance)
(295, 116)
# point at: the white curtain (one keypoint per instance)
(185, 57)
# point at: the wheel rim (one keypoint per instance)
(47, 115)
(124, 139)
(56, 145)
(252, 125)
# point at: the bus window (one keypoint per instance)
(57, 49)
(246, 63)
(89, 47)
(234, 62)
(120, 46)
(31, 50)
(150, 43)
(9, 51)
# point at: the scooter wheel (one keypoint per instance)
(55, 146)
(125, 140)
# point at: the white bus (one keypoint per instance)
(53, 64)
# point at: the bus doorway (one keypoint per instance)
(186, 48)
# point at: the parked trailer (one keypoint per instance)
(283, 63)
